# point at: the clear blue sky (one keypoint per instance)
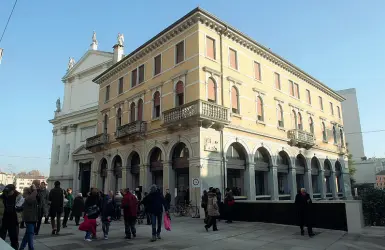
(340, 42)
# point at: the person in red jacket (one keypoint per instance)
(89, 226)
(130, 207)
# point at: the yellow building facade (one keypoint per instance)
(203, 101)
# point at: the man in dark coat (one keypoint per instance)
(303, 203)
(42, 194)
(56, 197)
(130, 209)
(167, 198)
(78, 208)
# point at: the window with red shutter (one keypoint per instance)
(134, 76)
(141, 74)
(277, 80)
(132, 112)
(179, 52)
(140, 110)
(157, 64)
(211, 88)
(257, 71)
(259, 108)
(296, 90)
(210, 48)
(156, 104)
(295, 119)
(179, 90)
(234, 100)
(308, 96)
(233, 59)
(291, 88)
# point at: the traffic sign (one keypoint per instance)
(196, 182)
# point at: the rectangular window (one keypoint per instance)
(291, 88)
(233, 59)
(179, 52)
(257, 71)
(134, 76)
(120, 87)
(308, 97)
(339, 111)
(277, 80)
(296, 90)
(210, 48)
(107, 97)
(157, 64)
(321, 105)
(331, 108)
(141, 74)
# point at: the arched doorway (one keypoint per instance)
(235, 170)
(156, 167)
(180, 165)
(134, 161)
(117, 170)
(328, 177)
(300, 169)
(283, 164)
(339, 179)
(262, 161)
(103, 173)
(85, 177)
(315, 177)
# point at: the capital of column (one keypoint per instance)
(63, 129)
(73, 127)
(54, 131)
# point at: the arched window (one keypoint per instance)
(132, 112)
(140, 110)
(334, 134)
(342, 137)
(211, 91)
(294, 114)
(300, 126)
(311, 125)
(156, 111)
(118, 118)
(280, 116)
(105, 124)
(324, 137)
(260, 115)
(179, 94)
(234, 100)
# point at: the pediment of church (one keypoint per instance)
(89, 60)
(81, 151)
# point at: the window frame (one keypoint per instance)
(281, 123)
(296, 93)
(339, 112)
(260, 117)
(238, 104)
(311, 125)
(331, 106)
(105, 124)
(259, 78)
(215, 90)
(291, 88)
(324, 132)
(321, 103)
(154, 108)
(277, 76)
(176, 95)
(176, 52)
(308, 96)
(118, 118)
(160, 70)
(214, 48)
(144, 74)
(132, 78)
(107, 94)
(121, 85)
(236, 59)
(132, 119)
(137, 110)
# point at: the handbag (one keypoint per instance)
(93, 212)
(167, 222)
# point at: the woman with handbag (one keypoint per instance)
(229, 203)
(92, 206)
(212, 210)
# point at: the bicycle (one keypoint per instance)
(185, 210)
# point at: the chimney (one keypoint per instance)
(118, 48)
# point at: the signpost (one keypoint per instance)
(196, 183)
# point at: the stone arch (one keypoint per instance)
(174, 143)
(150, 148)
(267, 148)
(102, 162)
(102, 173)
(328, 168)
(265, 154)
(301, 168)
(243, 144)
(285, 157)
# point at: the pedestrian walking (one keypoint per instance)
(204, 204)
(56, 198)
(212, 210)
(68, 206)
(108, 209)
(130, 210)
(78, 208)
(229, 203)
(93, 202)
(30, 217)
(155, 202)
(303, 203)
(42, 194)
(12, 215)
(167, 198)
(25, 194)
(118, 201)
(88, 226)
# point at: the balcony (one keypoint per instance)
(341, 150)
(97, 142)
(301, 139)
(131, 131)
(196, 113)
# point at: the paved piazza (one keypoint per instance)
(188, 233)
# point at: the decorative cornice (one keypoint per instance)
(104, 111)
(137, 95)
(323, 118)
(156, 86)
(212, 71)
(294, 106)
(279, 100)
(261, 92)
(178, 75)
(310, 113)
(232, 79)
(118, 104)
(73, 127)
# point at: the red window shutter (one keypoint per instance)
(296, 90)
(234, 98)
(179, 88)
(156, 98)
(211, 90)
(277, 81)
(259, 106)
(180, 52)
(291, 88)
(233, 59)
(134, 76)
(132, 112)
(158, 62)
(308, 96)
(140, 110)
(141, 74)
(257, 71)
(210, 47)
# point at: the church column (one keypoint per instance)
(75, 177)
(124, 178)
(62, 155)
(333, 182)
(273, 183)
(52, 171)
(72, 143)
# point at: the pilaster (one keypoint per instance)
(321, 179)
(109, 181)
(249, 189)
(168, 179)
(75, 177)
(334, 184)
(308, 183)
(292, 181)
(273, 183)
(62, 156)
(125, 182)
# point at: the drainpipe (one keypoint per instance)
(223, 165)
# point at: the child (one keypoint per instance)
(108, 212)
(89, 226)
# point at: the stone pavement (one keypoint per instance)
(188, 233)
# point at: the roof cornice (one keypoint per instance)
(74, 114)
(204, 17)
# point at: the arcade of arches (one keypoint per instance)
(263, 176)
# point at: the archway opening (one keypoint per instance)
(283, 163)
(339, 179)
(328, 177)
(85, 177)
(180, 165)
(156, 167)
(236, 164)
(300, 168)
(117, 170)
(135, 168)
(262, 161)
(103, 173)
(315, 177)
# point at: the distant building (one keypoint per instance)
(22, 181)
(6, 178)
(380, 179)
(367, 170)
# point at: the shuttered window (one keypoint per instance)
(105, 124)
(300, 126)
(331, 108)
(257, 71)
(140, 110)
(324, 135)
(179, 52)
(291, 88)
(277, 80)
(141, 74)
(308, 97)
(211, 89)
(120, 87)
(233, 59)
(119, 118)
(296, 90)
(156, 104)
(179, 90)
(210, 48)
(280, 116)
(321, 104)
(132, 112)
(259, 108)
(107, 97)
(311, 125)
(234, 100)
(134, 76)
(157, 64)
